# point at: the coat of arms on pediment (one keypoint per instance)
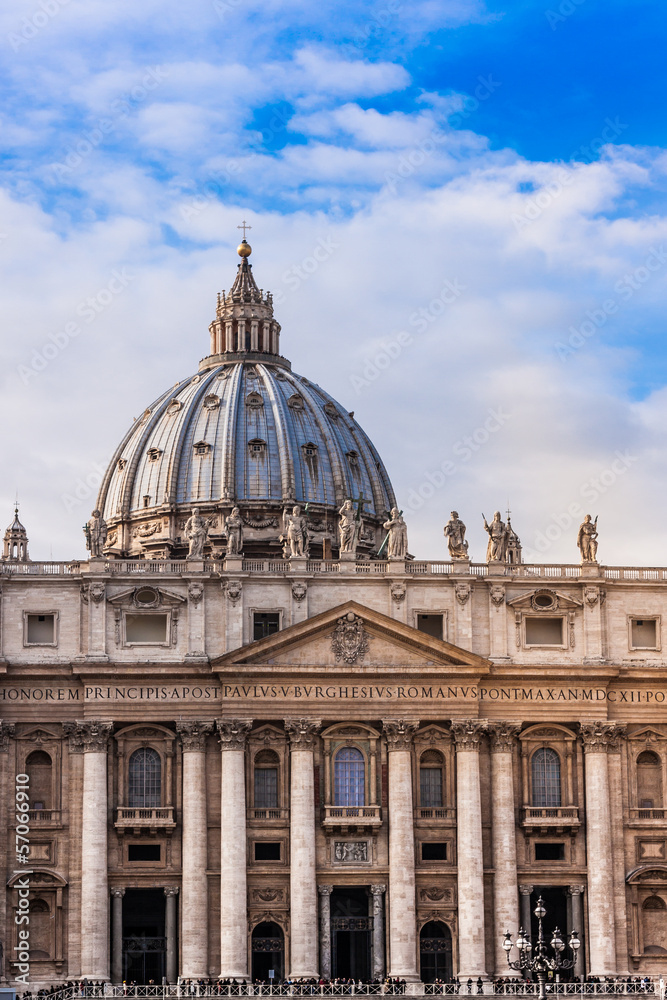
(349, 640)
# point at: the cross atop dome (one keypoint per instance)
(244, 325)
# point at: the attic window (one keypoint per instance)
(174, 407)
(256, 446)
(545, 601)
(295, 401)
(353, 458)
(153, 454)
(643, 633)
(212, 402)
(309, 448)
(202, 448)
(254, 401)
(146, 500)
(544, 631)
(331, 411)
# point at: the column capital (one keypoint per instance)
(526, 890)
(117, 891)
(7, 730)
(502, 736)
(576, 890)
(193, 734)
(399, 733)
(232, 733)
(88, 736)
(601, 737)
(378, 890)
(302, 733)
(325, 890)
(467, 733)
(171, 890)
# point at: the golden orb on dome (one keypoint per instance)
(244, 249)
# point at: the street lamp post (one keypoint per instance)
(539, 959)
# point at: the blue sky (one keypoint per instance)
(514, 153)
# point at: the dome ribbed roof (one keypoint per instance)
(244, 430)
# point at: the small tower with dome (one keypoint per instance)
(15, 548)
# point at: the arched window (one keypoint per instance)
(268, 952)
(349, 783)
(145, 779)
(38, 767)
(266, 780)
(545, 772)
(41, 935)
(431, 794)
(654, 925)
(649, 780)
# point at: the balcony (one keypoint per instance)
(44, 817)
(271, 815)
(550, 819)
(341, 816)
(143, 819)
(647, 814)
(435, 815)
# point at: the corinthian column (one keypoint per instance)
(505, 890)
(472, 963)
(91, 739)
(303, 887)
(598, 738)
(402, 916)
(194, 895)
(233, 860)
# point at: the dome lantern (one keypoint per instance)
(15, 542)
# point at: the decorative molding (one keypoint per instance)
(467, 733)
(462, 591)
(497, 594)
(398, 592)
(118, 891)
(299, 591)
(233, 590)
(326, 890)
(601, 737)
(7, 732)
(576, 890)
(88, 736)
(502, 736)
(526, 890)
(349, 640)
(351, 852)
(193, 734)
(436, 893)
(195, 593)
(303, 733)
(272, 895)
(233, 733)
(399, 734)
(171, 890)
(378, 889)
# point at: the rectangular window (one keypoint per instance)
(265, 623)
(143, 852)
(544, 631)
(430, 787)
(266, 788)
(40, 630)
(267, 850)
(550, 852)
(434, 850)
(149, 629)
(431, 625)
(644, 633)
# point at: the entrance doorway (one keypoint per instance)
(268, 953)
(351, 931)
(556, 904)
(144, 941)
(435, 952)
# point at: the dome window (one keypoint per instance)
(211, 402)
(146, 500)
(331, 411)
(122, 462)
(353, 458)
(202, 448)
(295, 401)
(153, 454)
(256, 447)
(309, 448)
(174, 407)
(254, 401)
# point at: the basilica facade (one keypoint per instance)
(251, 736)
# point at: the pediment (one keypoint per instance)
(140, 598)
(545, 601)
(352, 637)
(647, 735)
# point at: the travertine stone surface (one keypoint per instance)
(377, 893)
(233, 860)
(117, 894)
(472, 961)
(505, 890)
(325, 930)
(94, 861)
(303, 889)
(402, 930)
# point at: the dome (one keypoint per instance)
(243, 431)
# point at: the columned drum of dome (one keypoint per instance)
(244, 431)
